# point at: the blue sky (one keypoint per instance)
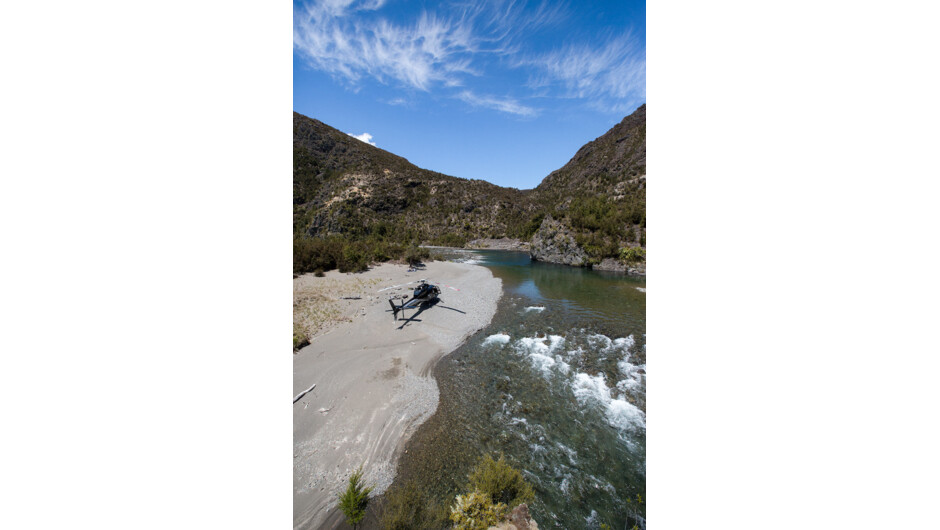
(504, 91)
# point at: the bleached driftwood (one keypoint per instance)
(300, 395)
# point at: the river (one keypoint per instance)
(557, 383)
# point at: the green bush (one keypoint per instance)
(415, 255)
(300, 338)
(610, 217)
(355, 499)
(451, 240)
(410, 506)
(531, 227)
(500, 482)
(475, 511)
(312, 253)
(355, 258)
(632, 254)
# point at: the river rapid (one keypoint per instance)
(557, 383)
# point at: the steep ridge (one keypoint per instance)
(345, 186)
(604, 165)
(590, 212)
(598, 200)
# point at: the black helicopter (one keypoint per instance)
(424, 294)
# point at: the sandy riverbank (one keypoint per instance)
(371, 372)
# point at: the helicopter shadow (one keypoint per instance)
(422, 307)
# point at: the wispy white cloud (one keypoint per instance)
(451, 51)
(507, 105)
(364, 137)
(431, 50)
(611, 76)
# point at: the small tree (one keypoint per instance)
(354, 500)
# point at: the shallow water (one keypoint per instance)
(557, 383)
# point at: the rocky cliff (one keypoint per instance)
(555, 243)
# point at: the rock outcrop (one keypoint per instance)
(554, 243)
(611, 264)
(519, 519)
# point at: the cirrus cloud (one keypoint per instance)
(456, 50)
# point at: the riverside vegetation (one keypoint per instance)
(356, 204)
(494, 487)
(355, 499)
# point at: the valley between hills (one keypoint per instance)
(356, 204)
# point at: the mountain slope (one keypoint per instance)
(597, 200)
(604, 165)
(585, 213)
(345, 186)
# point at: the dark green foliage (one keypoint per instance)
(355, 499)
(355, 258)
(597, 245)
(411, 507)
(498, 480)
(311, 254)
(632, 254)
(415, 255)
(318, 254)
(529, 229)
(450, 240)
(614, 218)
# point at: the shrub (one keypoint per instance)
(475, 511)
(500, 482)
(451, 239)
(300, 338)
(312, 253)
(354, 500)
(354, 259)
(531, 227)
(632, 254)
(414, 255)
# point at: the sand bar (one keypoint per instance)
(373, 387)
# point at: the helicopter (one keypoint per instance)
(424, 294)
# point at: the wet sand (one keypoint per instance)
(371, 373)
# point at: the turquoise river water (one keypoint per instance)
(556, 383)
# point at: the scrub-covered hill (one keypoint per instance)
(355, 203)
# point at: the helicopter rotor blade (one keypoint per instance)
(399, 285)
